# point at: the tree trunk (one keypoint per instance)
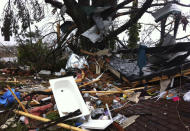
(84, 22)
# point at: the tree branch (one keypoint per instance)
(181, 4)
(54, 3)
(74, 11)
(77, 14)
(183, 37)
(136, 17)
(109, 11)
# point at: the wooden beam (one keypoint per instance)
(113, 92)
(163, 77)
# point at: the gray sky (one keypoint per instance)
(145, 19)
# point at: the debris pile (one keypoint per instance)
(94, 93)
(101, 91)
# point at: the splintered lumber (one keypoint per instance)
(17, 99)
(47, 120)
(163, 77)
(113, 92)
(117, 88)
(89, 83)
(106, 92)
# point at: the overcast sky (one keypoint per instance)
(145, 19)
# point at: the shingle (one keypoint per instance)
(164, 115)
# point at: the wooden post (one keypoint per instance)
(17, 99)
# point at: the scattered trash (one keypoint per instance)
(134, 97)
(8, 123)
(76, 62)
(81, 96)
(176, 98)
(7, 98)
(98, 124)
(85, 94)
(119, 118)
(45, 72)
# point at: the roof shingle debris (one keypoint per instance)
(162, 115)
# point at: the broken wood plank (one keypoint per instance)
(89, 83)
(113, 92)
(47, 120)
(163, 77)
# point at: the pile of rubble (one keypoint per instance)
(90, 94)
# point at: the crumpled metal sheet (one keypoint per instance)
(92, 35)
(165, 11)
(76, 61)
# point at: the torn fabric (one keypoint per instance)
(141, 62)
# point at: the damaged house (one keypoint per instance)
(105, 83)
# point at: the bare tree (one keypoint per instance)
(83, 14)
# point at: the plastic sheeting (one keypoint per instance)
(76, 61)
(8, 98)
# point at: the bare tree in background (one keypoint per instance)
(82, 13)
